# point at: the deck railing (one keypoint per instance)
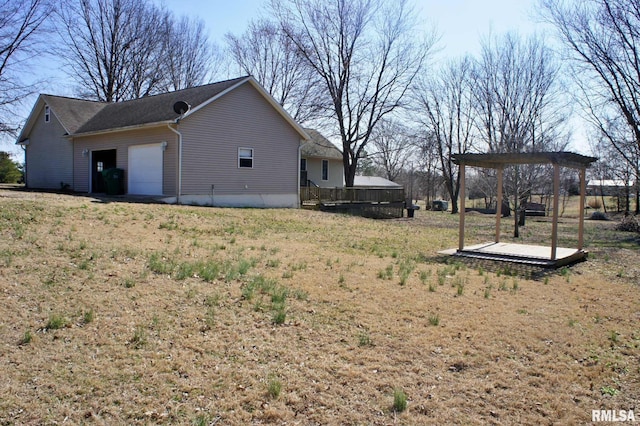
(351, 195)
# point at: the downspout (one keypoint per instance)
(179, 194)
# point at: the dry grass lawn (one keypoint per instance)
(131, 313)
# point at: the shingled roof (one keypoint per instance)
(152, 109)
(82, 117)
(319, 146)
(73, 113)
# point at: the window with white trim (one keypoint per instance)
(245, 158)
(325, 169)
(47, 114)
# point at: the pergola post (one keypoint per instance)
(499, 203)
(461, 208)
(583, 194)
(556, 196)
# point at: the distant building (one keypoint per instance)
(608, 187)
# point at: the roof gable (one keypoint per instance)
(70, 112)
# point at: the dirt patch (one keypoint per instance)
(117, 312)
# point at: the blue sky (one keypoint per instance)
(461, 24)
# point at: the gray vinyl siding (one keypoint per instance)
(212, 136)
(335, 176)
(120, 141)
(48, 155)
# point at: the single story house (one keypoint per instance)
(608, 187)
(224, 144)
(320, 162)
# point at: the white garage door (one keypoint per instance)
(145, 169)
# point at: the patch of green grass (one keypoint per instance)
(27, 337)
(169, 226)
(160, 264)
(274, 387)
(202, 419)
(299, 266)
(609, 390)
(279, 315)
(139, 338)
(279, 295)
(404, 270)
(364, 339)
(399, 400)
(287, 274)
(56, 322)
(434, 319)
(300, 294)
(503, 285)
(424, 276)
(185, 270)
(273, 263)
(129, 283)
(387, 274)
(88, 316)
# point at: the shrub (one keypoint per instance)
(595, 204)
(597, 215)
(628, 224)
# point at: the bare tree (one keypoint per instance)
(101, 37)
(393, 145)
(367, 54)
(20, 25)
(266, 53)
(518, 106)
(602, 38)
(428, 177)
(446, 110)
(188, 59)
(126, 49)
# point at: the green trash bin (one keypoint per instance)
(114, 181)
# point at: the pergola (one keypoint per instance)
(529, 254)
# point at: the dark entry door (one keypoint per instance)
(101, 160)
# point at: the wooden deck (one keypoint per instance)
(520, 253)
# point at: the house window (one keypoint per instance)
(99, 166)
(47, 114)
(303, 164)
(325, 169)
(245, 158)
